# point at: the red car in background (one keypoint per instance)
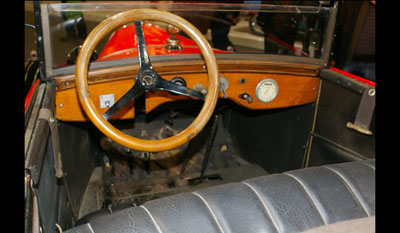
(122, 43)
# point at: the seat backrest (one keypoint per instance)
(293, 201)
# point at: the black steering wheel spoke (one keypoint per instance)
(136, 91)
(144, 59)
(165, 85)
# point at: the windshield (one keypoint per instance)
(249, 28)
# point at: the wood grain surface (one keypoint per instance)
(293, 90)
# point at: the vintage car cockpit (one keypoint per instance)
(141, 122)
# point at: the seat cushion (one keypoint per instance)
(293, 201)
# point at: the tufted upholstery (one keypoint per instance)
(290, 202)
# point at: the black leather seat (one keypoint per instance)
(290, 202)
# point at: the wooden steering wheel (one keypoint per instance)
(147, 79)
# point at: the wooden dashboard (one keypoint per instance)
(297, 83)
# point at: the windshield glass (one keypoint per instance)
(274, 28)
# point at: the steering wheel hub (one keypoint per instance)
(148, 80)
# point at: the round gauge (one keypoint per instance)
(266, 90)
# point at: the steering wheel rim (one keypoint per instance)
(81, 72)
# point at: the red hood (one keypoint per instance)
(122, 43)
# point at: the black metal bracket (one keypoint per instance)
(364, 113)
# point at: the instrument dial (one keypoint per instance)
(266, 90)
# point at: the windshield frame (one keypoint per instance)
(47, 10)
